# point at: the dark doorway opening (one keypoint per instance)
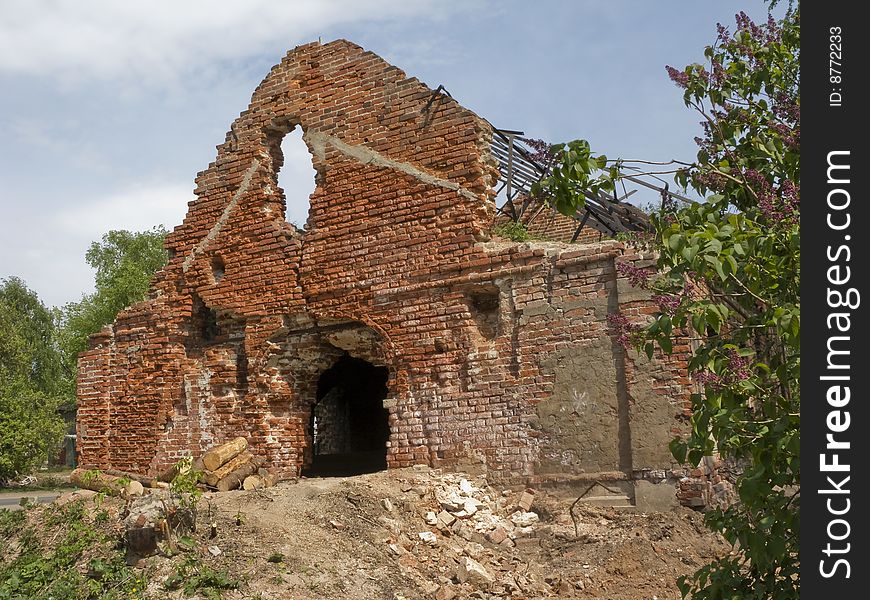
(348, 420)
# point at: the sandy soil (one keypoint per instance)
(360, 538)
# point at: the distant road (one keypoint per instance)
(12, 500)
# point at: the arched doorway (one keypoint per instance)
(349, 425)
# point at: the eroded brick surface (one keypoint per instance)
(497, 353)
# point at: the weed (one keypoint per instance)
(275, 557)
(515, 231)
(191, 576)
(11, 521)
(41, 571)
(186, 492)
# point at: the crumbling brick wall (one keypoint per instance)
(498, 353)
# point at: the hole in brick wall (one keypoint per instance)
(217, 268)
(484, 306)
(349, 422)
(204, 326)
(296, 177)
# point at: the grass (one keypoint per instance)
(192, 576)
(45, 561)
(514, 231)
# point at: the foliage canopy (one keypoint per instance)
(30, 426)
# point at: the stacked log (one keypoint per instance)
(99, 481)
(219, 455)
(235, 479)
(212, 478)
(228, 466)
(224, 467)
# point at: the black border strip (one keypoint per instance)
(832, 123)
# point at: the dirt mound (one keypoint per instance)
(418, 533)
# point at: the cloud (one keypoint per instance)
(52, 262)
(135, 208)
(58, 140)
(163, 40)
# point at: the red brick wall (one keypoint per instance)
(547, 223)
(498, 353)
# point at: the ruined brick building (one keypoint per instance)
(394, 328)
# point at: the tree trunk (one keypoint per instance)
(219, 455)
(96, 480)
(212, 477)
(235, 479)
(253, 482)
(146, 481)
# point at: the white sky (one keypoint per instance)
(110, 108)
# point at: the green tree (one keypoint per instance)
(729, 276)
(124, 262)
(30, 426)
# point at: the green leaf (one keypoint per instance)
(678, 449)
(667, 346)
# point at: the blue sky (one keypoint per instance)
(110, 108)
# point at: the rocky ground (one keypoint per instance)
(413, 534)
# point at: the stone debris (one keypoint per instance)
(428, 537)
(500, 551)
(469, 507)
(337, 525)
(473, 572)
(445, 519)
(451, 500)
(445, 593)
(526, 500)
(524, 519)
(497, 535)
(478, 533)
(396, 549)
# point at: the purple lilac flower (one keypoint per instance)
(679, 77)
(668, 303)
(623, 329)
(636, 276)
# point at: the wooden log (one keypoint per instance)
(98, 481)
(143, 479)
(253, 482)
(212, 477)
(219, 455)
(169, 474)
(135, 488)
(235, 479)
(269, 478)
